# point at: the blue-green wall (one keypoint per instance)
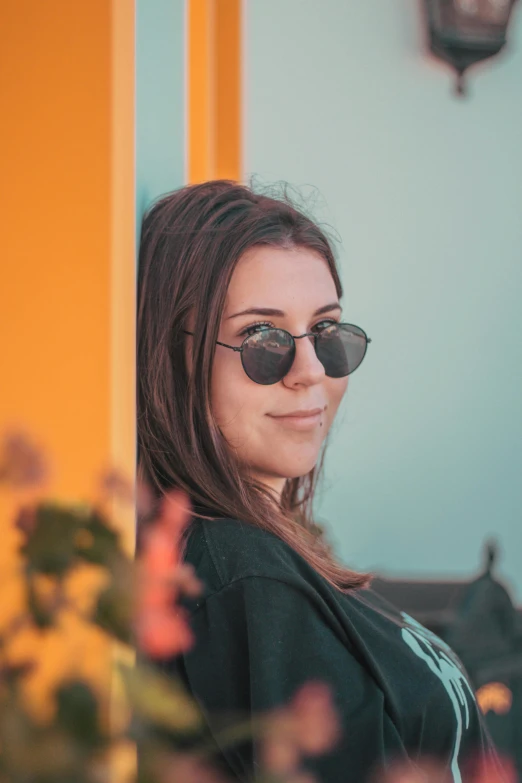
(160, 99)
(426, 192)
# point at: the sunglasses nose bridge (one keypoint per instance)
(311, 335)
(313, 357)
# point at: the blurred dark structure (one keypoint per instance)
(478, 619)
(464, 32)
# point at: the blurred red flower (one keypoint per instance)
(161, 626)
(309, 725)
(22, 464)
(185, 768)
(490, 769)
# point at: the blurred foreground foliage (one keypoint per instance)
(135, 604)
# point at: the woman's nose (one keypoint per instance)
(306, 367)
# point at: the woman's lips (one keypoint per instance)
(299, 422)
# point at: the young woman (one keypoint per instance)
(244, 356)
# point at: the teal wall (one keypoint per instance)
(160, 99)
(426, 192)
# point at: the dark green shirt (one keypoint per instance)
(268, 622)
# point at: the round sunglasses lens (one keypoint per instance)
(268, 355)
(340, 349)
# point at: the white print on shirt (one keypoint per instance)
(443, 662)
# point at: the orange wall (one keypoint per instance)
(67, 287)
(214, 90)
(64, 219)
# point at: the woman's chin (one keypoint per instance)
(289, 463)
(296, 469)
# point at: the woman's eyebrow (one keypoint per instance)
(281, 313)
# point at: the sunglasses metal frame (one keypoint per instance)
(315, 335)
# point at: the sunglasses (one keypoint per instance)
(268, 354)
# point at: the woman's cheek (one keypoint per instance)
(230, 396)
(337, 390)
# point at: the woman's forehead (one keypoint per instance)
(279, 278)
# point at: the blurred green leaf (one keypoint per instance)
(51, 757)
(35, 753)
(77, 713)
(17, 732)
(42, 611)
(161, 700)
(11, 673)
(50, 548)
(96, 542)
(114, 611)
(60, 535)
(51, 752)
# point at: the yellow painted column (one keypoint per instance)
(214, 90)
(68, 271)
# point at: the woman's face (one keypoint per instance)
(298, 283)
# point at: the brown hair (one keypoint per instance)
(191, 242)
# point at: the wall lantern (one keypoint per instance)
(464, 32)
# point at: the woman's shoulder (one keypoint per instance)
(225, 550)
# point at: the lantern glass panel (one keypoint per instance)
(484, 11)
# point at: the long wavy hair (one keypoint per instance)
(191, 241)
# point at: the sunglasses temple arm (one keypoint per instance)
(232, 347)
